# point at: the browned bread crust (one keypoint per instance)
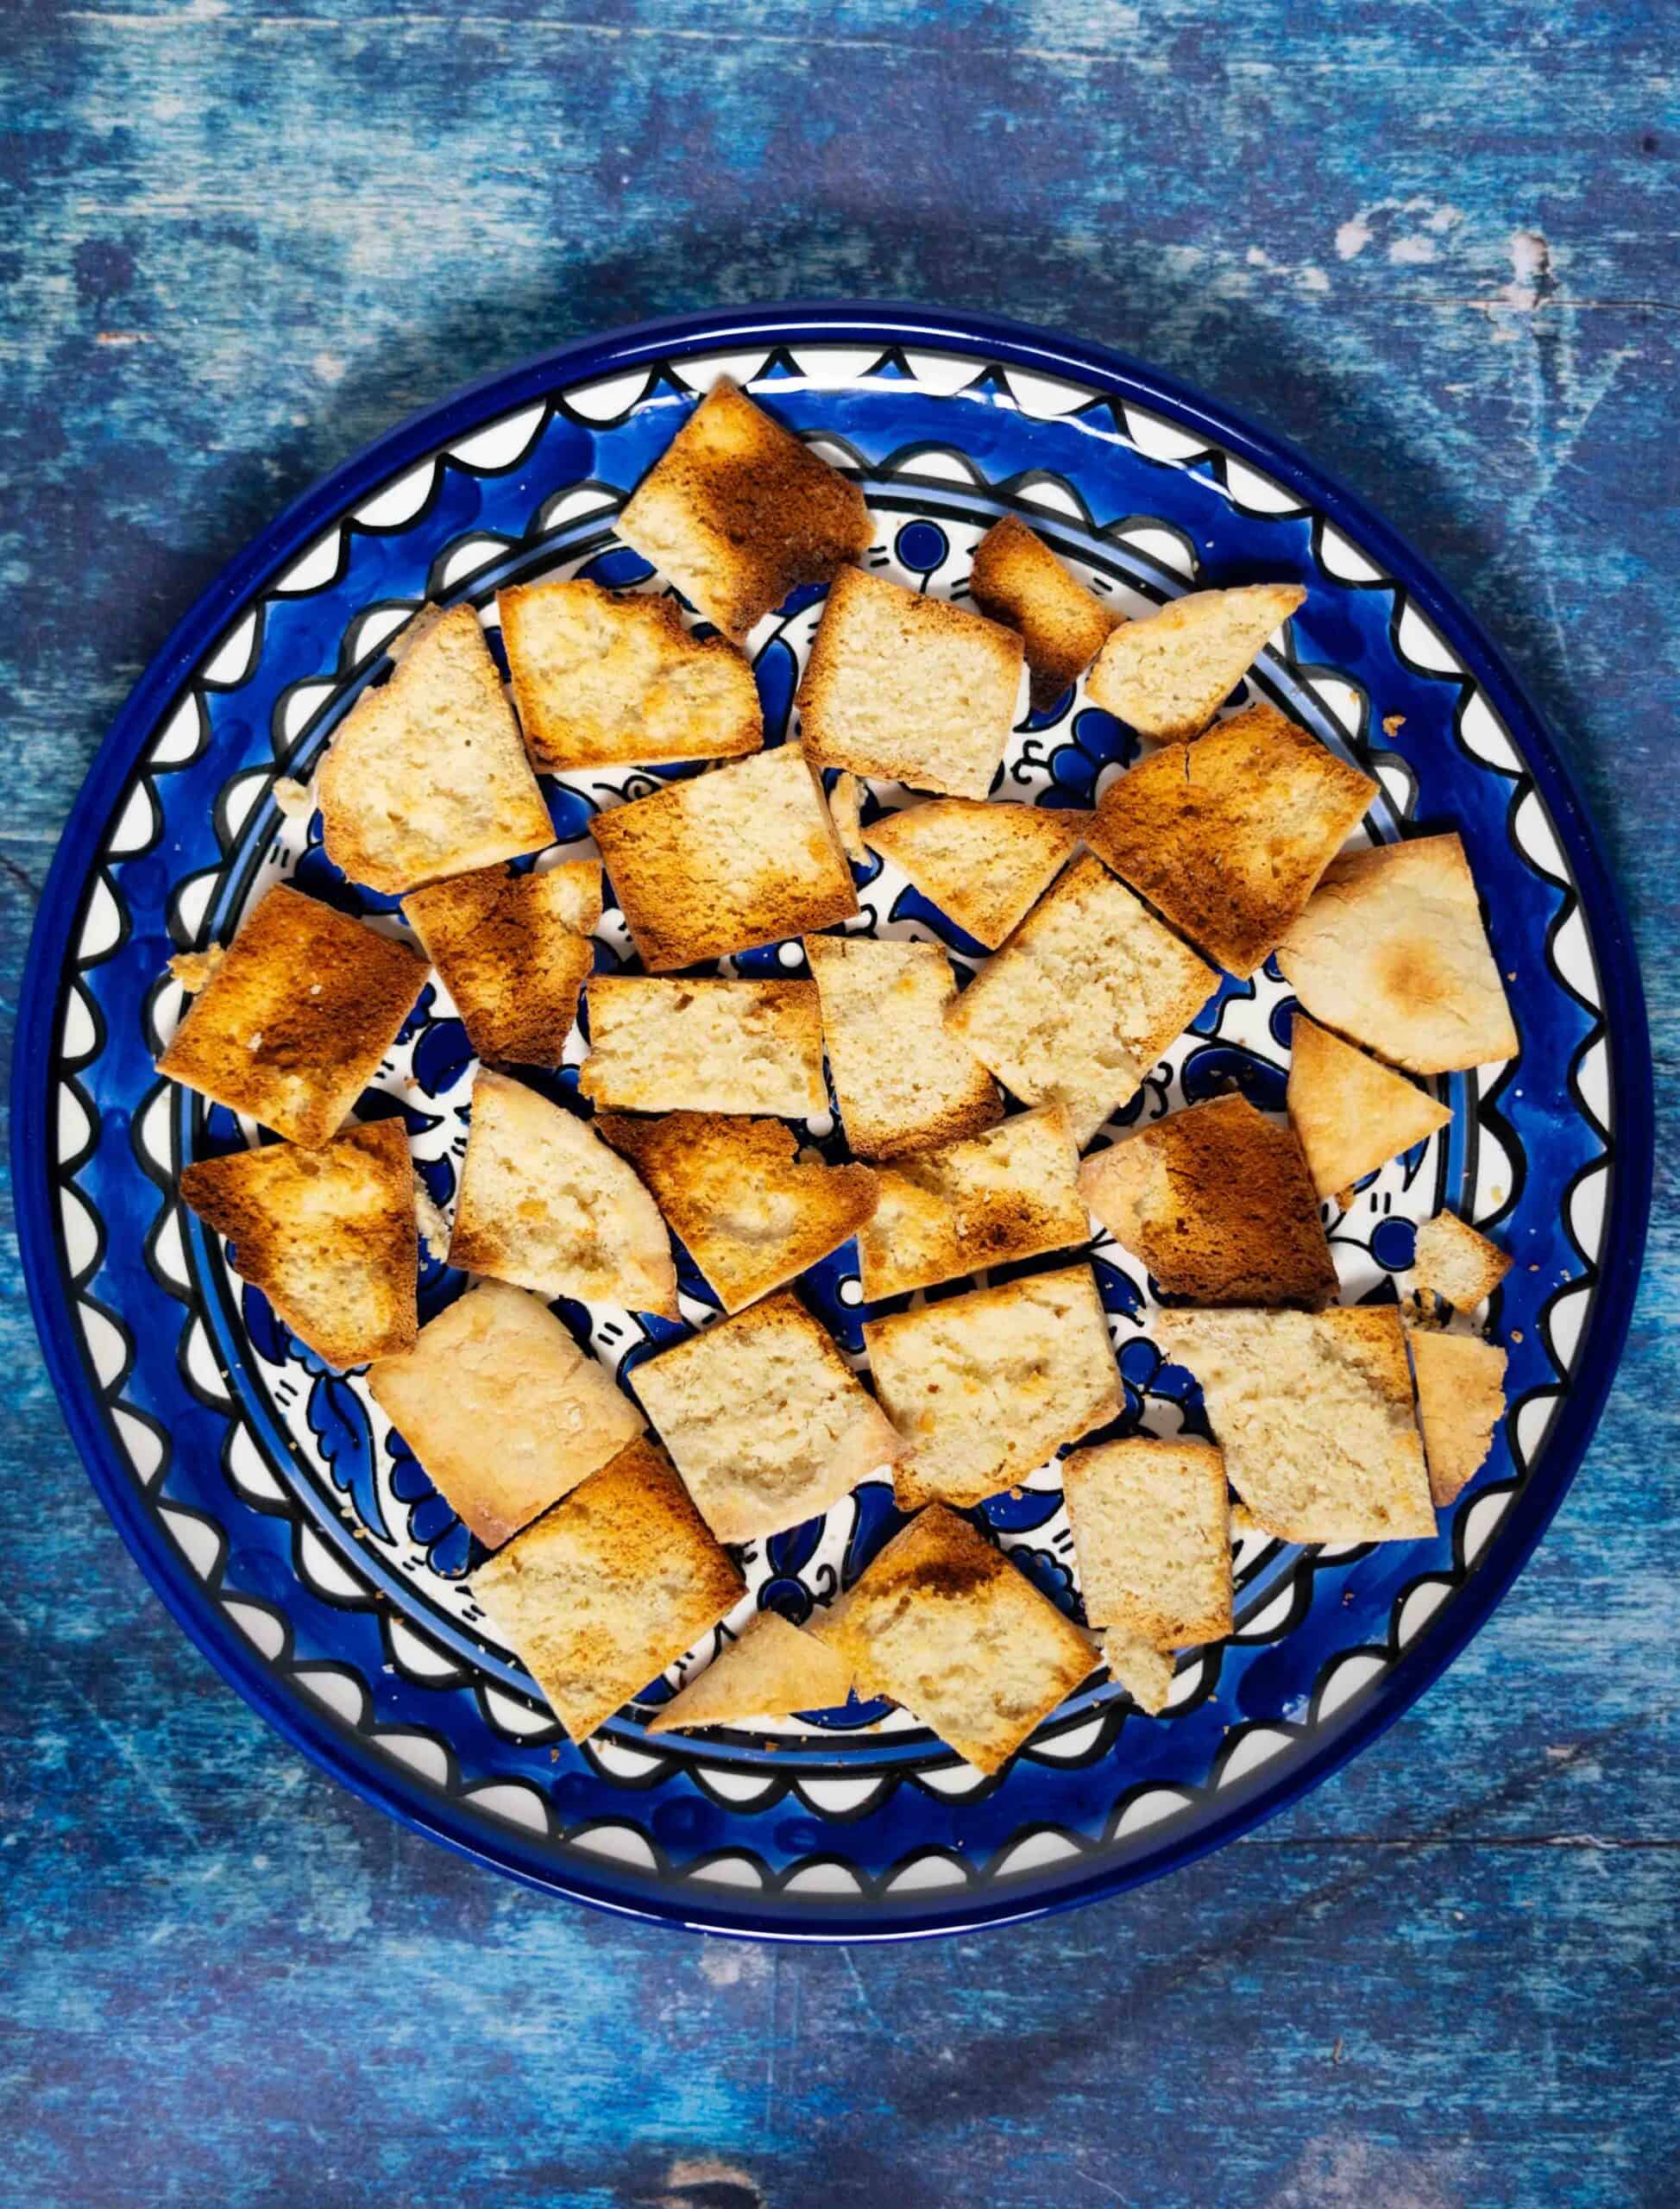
(1017, 580)
(512, 960)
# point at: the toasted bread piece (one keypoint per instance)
(910, 687)
(292, 1024)
(605, 1590)
(751, 1212)
(1461, 1399)
(503, 1410)
(1351, 1114)
(1083, 998)
(736, 511)
(1391, 952)
(328, 1236)
(1145, 1673)
(943, 1623)
(904, 1082)
(1168, 675)
(773, 1671)
(1017, 580)
(1217, 1203)
(546, 1204)
(846, 807)
(1227, 837)
(745, 855)
(984, 865)
(602, 678)
(1008, 1193)
(427, 776)
(1455, 1262)
(767, 1422)
(984, 1388)
(1151, 1524)
(511, 955)
(1313, 1412)
(704, 1047)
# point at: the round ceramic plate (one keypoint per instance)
(297, 1540)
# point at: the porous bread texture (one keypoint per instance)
(1391, 952)
(602, 678)
(737, 511)
(701, 1045)
(1083, 998)
(1217, 1203)
(1351, 1114)
(1461, 1399)
(1151, 1524)
(1017, 580)
(904, 1082)
(1227, 837)
(986, 1387)
(1454, 1262)
(546, 1204)
(752, 1212)
(503, 1409)
(601, 1593)
(328, 1236)
(1169, 674)
(907, 687)
(984, 865)
(1009, 1192)
(1313, 1412)
(293, 1022)
(1145, 1673)
(513, 952)
(428, 774)
(845, 808)
(744, 855)
(774, 1671)
(945, 1625)
(767, 1421)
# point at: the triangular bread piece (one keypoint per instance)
(511, 953)
(1351, 1114)
(1017, 580)
(904, 1082)
(1167, 675)
(984, 865)
(1461, 1399)
(1451, 1261)
(1151, 1522)
(1145, 1673)
(774, 1671)
(751, 1212)
(704, 1045)
(328, 1236)
(1008, 1192)
(428, 774)
(546, 1204)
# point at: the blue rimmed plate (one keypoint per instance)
(300, 1544)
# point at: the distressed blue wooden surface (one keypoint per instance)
(1436, 245)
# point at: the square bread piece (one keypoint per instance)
(1392, 953)
(1151, 1524)
(1017, 580)
(546, 1204)
(911, 689)
(1009, 1192)
(903, 1080)
(737, 511)
(745, 855)
(296, 1016)
(1169, 674)
(617, 1582)
(753, 1213)
(428, 774)
(704, 1047)
(1083, 999)
(328, 1236)
(774, 1671)
(984, 865)
(511, 953)
(767, 1422)
(1451, 1261)
(1314, 1413)
(602, 678)
(1351, 1114)
(986, 1387)
(1227, 837)
(503, 1410)
(1461, 1399)
(945, 1625)
(1217, 1203)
